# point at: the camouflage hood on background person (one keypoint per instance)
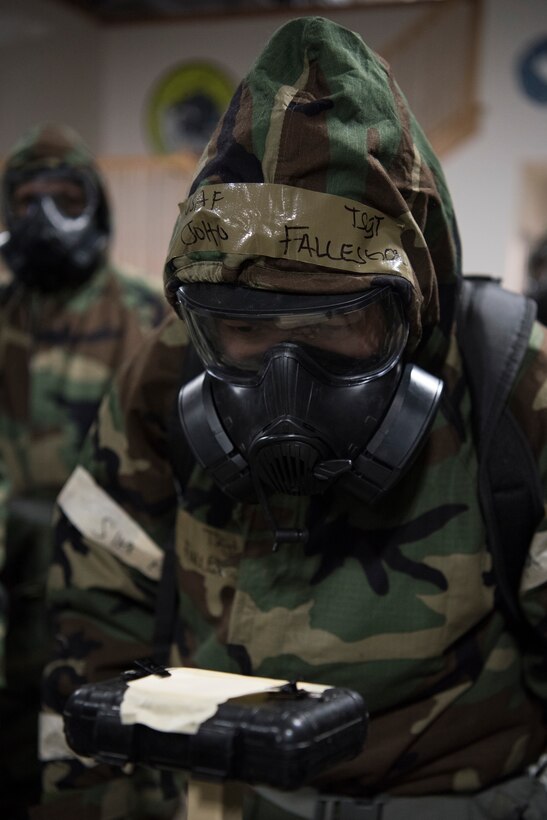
(51, 146)
(318, 179)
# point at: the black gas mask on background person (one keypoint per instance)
(57, 227)
(301, 391)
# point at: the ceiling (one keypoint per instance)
(127, 11)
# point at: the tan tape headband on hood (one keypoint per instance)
(250, 220)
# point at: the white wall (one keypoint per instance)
(49, 60)
(57, 64)
(485, 174)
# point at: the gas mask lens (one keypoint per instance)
(68, 199)
(57, 224)
(347, 337)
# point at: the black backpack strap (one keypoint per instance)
(182, 462)
(166, 606)
(493, 329)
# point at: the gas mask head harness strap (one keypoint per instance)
(57, 226)
(302, 391)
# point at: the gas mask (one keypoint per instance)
(302, 391)
(57, 227)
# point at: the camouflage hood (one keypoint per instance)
(49, 145)
(318, 179)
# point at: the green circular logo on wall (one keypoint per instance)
(185, 106)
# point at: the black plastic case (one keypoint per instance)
(284, 738)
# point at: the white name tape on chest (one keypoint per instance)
(103, 521)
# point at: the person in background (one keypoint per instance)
(68, 319)
(329, 528)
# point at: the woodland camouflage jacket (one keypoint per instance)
(394, 600)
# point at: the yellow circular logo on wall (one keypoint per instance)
(185, 106)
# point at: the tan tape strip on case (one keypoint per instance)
(188, 697)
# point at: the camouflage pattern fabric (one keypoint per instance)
(394, 600)
(58, 353)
